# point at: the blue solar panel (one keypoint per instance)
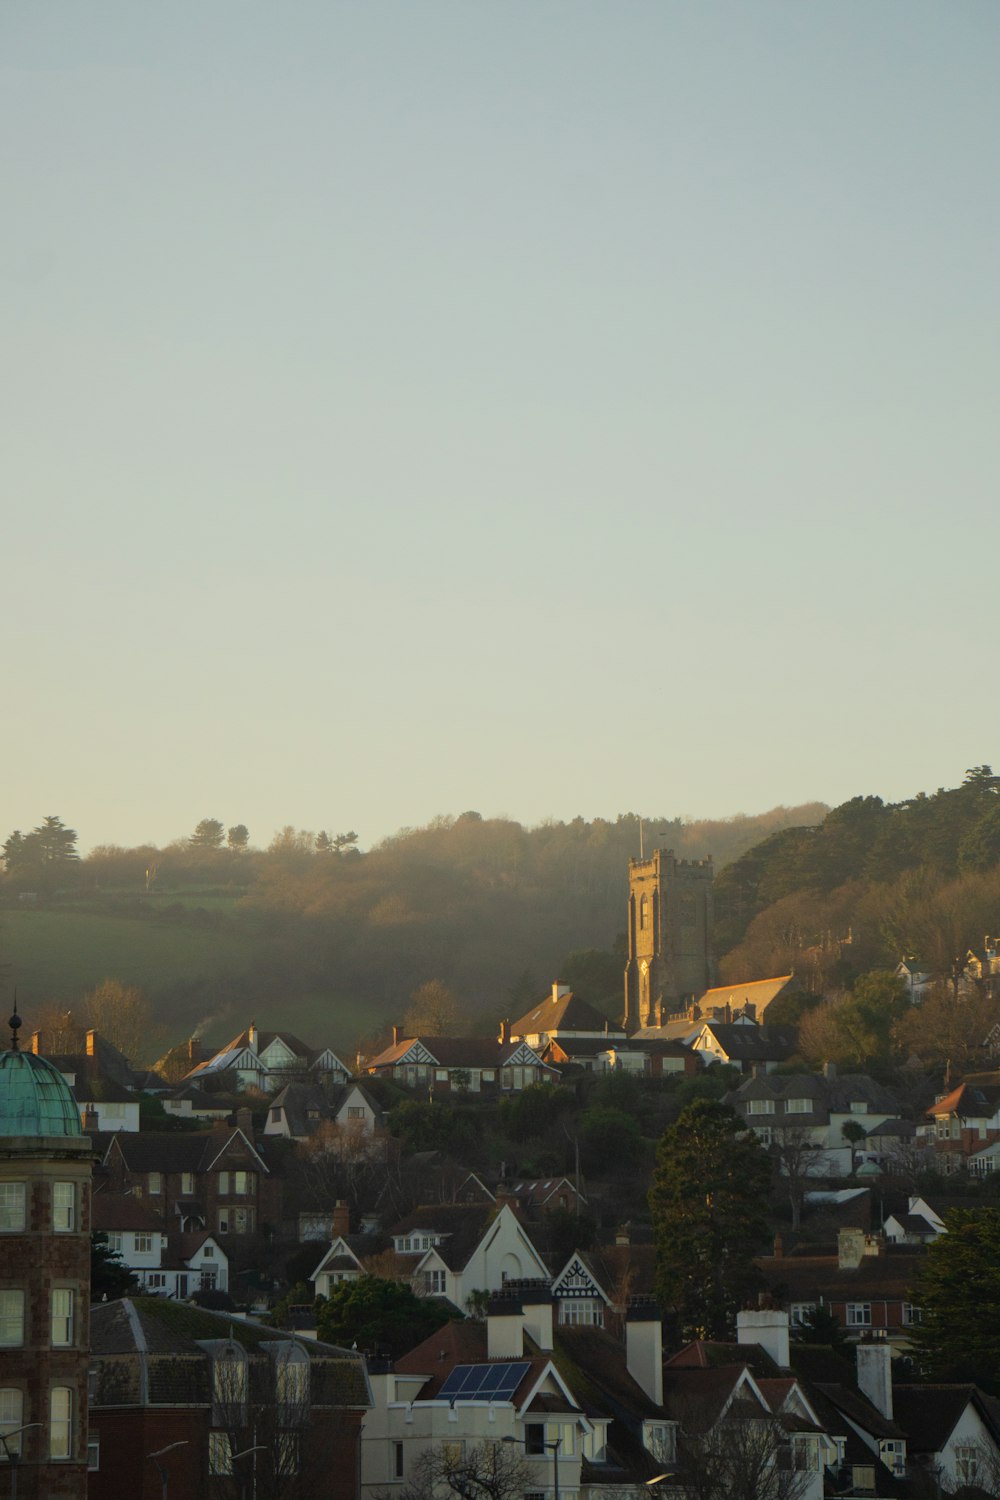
(496, 1382)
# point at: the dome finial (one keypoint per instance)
(15, 1025)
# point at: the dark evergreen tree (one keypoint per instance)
(959, 1294)
(709, 1203)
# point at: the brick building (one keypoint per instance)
(212, 1180)
(45, 1170)
(221, 1405)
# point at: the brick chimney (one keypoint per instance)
(341, 1223)
(244, 1122)
(850, 1248)
(90, 1123)
(623, 1234)
(397, 1032)
(194, 1049)
(504, 1032)
(36, 1042)
(90, 1046)
(644, 1347)
(558, 990)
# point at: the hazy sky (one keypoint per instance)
(538, 406)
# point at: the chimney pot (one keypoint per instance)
(395, 1035)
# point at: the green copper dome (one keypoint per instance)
(35, 1098)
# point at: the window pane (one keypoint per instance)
(11, 1318)
(60, 1422)
(11, 1407)
(12, 1200)
(63, 1207)
(62, 1316)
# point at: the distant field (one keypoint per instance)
(197, 975)
(56, 955)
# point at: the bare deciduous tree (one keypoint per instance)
(487, 1471)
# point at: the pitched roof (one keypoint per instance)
(930, 1413)
(452, 1051)
(464, 1224)
(120, 1211)
(177, 1151)
(803, 1277)
(464, 1343)
(753, 1043)
(759, 992)
(149, 1327)
(565, 1012)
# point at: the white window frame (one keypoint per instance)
(13, 1207)
(63, 1207)
(62, 1317)
(11, 1317)
(858, 1315)
(11, 1418)
(60, 1424)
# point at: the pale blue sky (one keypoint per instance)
(541, 406)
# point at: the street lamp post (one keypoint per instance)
(161, 1469)
(553, 1448)
(257, 1448)
(15, 1458)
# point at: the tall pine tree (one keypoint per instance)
(709, 1203)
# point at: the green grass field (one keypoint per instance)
(190, 973)
(58, 954)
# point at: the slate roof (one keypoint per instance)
(122, 1211)
(930, 1413)
(156, 1326)
(802, 1278)
(463, 1223)
(754, 1043)
(565, 1013)
(177, 1151)
(834, 1095)
(462, 1343)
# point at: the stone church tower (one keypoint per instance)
(670, 960)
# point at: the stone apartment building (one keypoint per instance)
(45, 1170)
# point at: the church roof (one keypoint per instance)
(565, 1012)
(35, 1098)
(759, 992)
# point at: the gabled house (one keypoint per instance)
(567, 1019)
(964, 1121)
(920, 1225)
(300, 1109)
(207, 1180)
(815, 1107)
(953, 1434)
(745, 1045)
(594, 1287)
(473, 1385)
(169, 1264)
(267, 1060)
(189, 1102)
(867, 1285)
(541, 1195)
(458, 1249)
(449, 1065)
